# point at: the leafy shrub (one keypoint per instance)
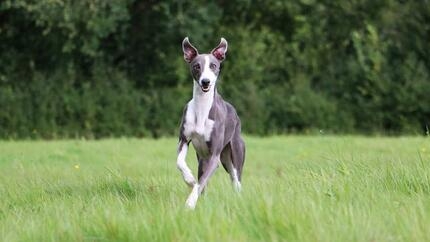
(110, 68)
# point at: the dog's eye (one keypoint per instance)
(212, 66)
(196, 67)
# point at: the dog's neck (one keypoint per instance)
(203, 102)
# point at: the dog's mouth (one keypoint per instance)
(206, 88)
(204, 85)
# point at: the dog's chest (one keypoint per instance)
(198, 127)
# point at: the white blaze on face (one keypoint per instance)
(207, 73)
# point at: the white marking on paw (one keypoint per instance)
(192, 198)
(235, 180)
(237, 186)
(183, 167)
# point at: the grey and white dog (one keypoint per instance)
(210, 123)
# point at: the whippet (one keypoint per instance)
(209, 123)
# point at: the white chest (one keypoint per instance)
(197, 123)
(197, 126)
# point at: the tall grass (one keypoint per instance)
(294, 189)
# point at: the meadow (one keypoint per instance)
(294, 188)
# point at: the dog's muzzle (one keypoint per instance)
(205, 85)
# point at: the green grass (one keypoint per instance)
(294, 189)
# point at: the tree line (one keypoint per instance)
(98, 68)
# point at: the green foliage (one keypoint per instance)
(99, 68)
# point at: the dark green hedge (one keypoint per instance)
(99, 68)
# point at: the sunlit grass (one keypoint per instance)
(294, 189)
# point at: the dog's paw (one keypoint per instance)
(191, 205)
(192, 198)
(189, 179)
(237, 186)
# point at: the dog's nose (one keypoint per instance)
(205, 82)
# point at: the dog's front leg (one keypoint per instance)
(212, 164)
(182, 164)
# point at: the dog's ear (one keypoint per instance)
(220, 50)
(190, 52)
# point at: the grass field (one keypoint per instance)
(294, 189)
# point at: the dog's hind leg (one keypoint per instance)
(226, 158)
(238, 159)
(227, 163)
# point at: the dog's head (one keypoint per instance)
(204, 67)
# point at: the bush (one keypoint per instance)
(111, 68)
